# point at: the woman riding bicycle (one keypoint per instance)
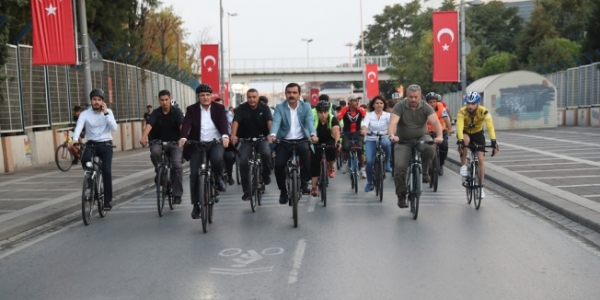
(328, 132)
(376, 121)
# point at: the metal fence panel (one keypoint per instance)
(133, 108)
(34, 91)
(59, 97)
(10, 104)
(121, 92)
(573, 90)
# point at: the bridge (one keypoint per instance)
(304, 69)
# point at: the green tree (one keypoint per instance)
(553, 50)
(568, 17)
(494, 25)
(497, 64)
(591, 41)
(538, 28)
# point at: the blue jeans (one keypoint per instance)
(371, 149)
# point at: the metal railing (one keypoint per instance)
(577, 87)
(317, 64)
(44, 96)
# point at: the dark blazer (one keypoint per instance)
(190, 129)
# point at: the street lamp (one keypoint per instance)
(307, 56)
(463, 45)
(350, 45)
(362, 42)
(229, 45)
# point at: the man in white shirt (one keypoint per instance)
(98, 121)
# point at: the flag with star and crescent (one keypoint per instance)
(372, 80)
(53, 32)
(445, 46)
(209, 60)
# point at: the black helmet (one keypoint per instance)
(431, 95)
(204, 88)
(324, 97)
(97, 92)
(323, 106)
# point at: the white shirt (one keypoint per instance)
(376, 125)
(208, 130)
(295, 132)
(98, 127)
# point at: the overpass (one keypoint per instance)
(304, 69)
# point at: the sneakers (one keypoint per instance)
(266, 179)
(388, 169)
(196, 212)
(368, 187)
(314, 192)
(330, 171)
(441, 170)
(283, 197)
(305, 189)
(426, 178)
(402, 201)
(246, 197)
(363, 173)
(345, 167)
(231, 181)
(463, 171)
(482, 193)
(108, 206)
(177, 200)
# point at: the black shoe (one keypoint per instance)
(283, 197)
(177, 200)
(220, 186)
(231, 181)
(196, 212)
(305, 189)
(246, 197)
(107, 206)
(441, 171)
(266, 180)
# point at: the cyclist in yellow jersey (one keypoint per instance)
(469, 127)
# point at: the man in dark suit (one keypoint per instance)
(204, 121)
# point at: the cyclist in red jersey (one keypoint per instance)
(352, 117)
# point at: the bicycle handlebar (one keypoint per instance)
(157, 141)
(415, 142)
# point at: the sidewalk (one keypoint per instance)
(557, 168)
(38, 195)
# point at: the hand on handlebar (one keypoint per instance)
(271, 139)
(314, 139)
(438, 140)
(144, 141)
(182, 142)
(234, 139)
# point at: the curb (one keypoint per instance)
(573, 211)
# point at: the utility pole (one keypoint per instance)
(362, 42)
(221, 73)
(85, 50)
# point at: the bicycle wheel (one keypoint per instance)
(294, 177)
(64, 157)
(338, 160)
(323, 183)
(87, 199)
(211, 202)
(253, 188)
(170, 197)
(381, 177)
(416, 178)
(237, 170)
(476, 185)
(261, 185)
(100, 195)
(434, 175)
(161, 190)
(203, 195)
(376, 176)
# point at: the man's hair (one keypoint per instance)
(391, 103)
(263, 99)
(253, 90)
(293, 84)
(164, 93)
(372, 103)
(149, 106)
(413, 88)
(76, 108)
(342, 103)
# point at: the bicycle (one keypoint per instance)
(65, 157)
(206, 184)
(379, 167)
(255, 166)
(435, 167)
(93, 188)
(164, 183)
(414, 176)
(292, 176)
(472, 182)
(353, 167)
(323, 181)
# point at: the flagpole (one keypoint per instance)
(221, 73)
(463, 54)
(362, 64)
(85, 49)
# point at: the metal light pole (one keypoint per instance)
(463, 44)
(350, 45)
(85, 49)
(307, 56)
(229, 45)
(221, 73)
(362, 42)
(178, 46)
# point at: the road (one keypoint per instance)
(355, 248)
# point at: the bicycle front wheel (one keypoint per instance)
(323, 183)
(100, 195)
(170, 197)
(254, 188)
(203, 199)
(294, 178)
(237, 170)
(161, 190)
(476, 185)
(87, 199)
(434, 175)
(416, 194)
(64, 157)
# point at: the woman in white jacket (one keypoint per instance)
(376, 121)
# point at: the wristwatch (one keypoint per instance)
(106, 113)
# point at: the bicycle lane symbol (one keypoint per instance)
(242, 260)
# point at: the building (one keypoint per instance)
(525, 6)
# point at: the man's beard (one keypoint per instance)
(97, 109)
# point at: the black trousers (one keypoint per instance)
(245, 151)
(229, 158)
(315, 159)
(282, 155)
(104, 150)
(215, 155)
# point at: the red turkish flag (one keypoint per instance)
(53, 32)
(372, 80)
(445, 46)
(209, 60)
(314, 96)
(226, 94)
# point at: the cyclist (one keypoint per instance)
(352, 116)
(439, 99)
(229, 156)
(265, 100)
(292, 121)
(76, 147)
(328, 132)
(396, 97)
(99, 122)
(164, 124)
(253, 119)
(469, 127)
(442, 116)
(204, 121)
(376, 120)
(408, 121)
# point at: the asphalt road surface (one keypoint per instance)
(355, 248)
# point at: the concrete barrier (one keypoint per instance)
(571, 116)
(117, 139)
(126, 136)
(583, 116)
(595, 116)
(18, 150)
(137, 134)
(42, 150)
(2, 155)
(560, 117)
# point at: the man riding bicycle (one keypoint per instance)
(469, 127)
(351, 117)
(444, 119)
(409, 122)
(252, 119)
(328, 132)
(164, 124)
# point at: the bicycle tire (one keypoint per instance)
(477, 186)
(203, 194)
(261, 186)
(237, 170)
(294, 199)
(338, 161)
(381, 178)
(435, 176)
(323, 183)
(253, 188)
(161, 191)
(211, 201)
(63, 157)
(87, 200)
(417, 191)
(170, 196)
(376, 176)
(210, 213)
(100, 192)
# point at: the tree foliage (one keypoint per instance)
(591, 42)
(553, 50)
(499, 63)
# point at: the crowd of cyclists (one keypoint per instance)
(411, 118)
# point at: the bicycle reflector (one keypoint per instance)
(88, 164)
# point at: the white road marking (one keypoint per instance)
(561, 177)
(590, 196)
(552, 170)
(297, 261)
(576, 185)
(238, 272)
(556, 140)
(576, 132)
(313, 203)
(531, 165)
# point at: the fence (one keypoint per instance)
(43, 96)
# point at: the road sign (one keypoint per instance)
(96, 63)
